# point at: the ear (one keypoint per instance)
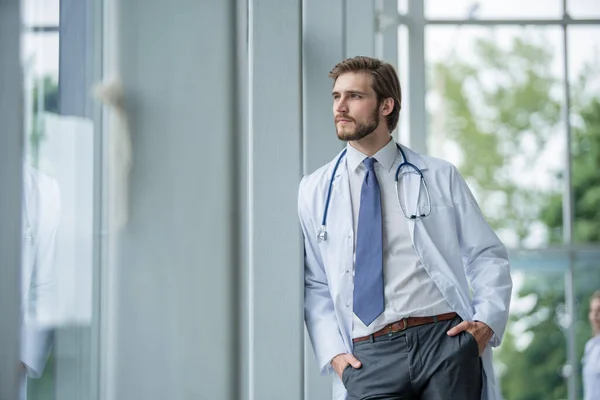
(387, 106)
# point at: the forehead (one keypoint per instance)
(595, 304)
(354, 81)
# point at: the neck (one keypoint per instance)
(371, 144)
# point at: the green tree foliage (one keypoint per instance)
(586, 178)
(493, 105)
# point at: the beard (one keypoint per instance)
(361, 130)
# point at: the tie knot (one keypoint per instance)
(370, 163)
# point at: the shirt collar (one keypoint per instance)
(386, 156)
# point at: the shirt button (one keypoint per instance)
(347, 271)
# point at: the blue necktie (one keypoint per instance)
(368, 270)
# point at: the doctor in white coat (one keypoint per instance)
(437, 277)
(41, 216)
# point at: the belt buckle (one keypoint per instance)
(404, 326)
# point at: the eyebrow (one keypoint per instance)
(350, 91)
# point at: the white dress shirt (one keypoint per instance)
(408, 289)
(591, 369)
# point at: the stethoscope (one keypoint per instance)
(322, 233)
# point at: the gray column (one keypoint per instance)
(275, 289)
(360, 28)
(323, 47)
(386, 38)
(417, 87)
(175, 324)
(11, 153)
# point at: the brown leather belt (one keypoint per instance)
(404, 324)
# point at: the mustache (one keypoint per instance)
(342, 116)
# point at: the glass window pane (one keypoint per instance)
(40, 12)
(584, 77)
(58, 206)
(403, 123)
(535, 338)
(494, 103)
(402, 6)
(584, 8)
(40, 54)
(491, 9)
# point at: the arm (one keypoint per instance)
(319, 313)
(36, 341)
(485, 260)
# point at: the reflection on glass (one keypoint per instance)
(41, 219)
(41, 208)
(58, 205)
(491, 9)
(494, 103)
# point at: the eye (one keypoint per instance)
(355, 96)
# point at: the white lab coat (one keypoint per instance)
(455, 244)
(41, 212)
(591, 369)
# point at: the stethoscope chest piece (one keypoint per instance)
(322, 234)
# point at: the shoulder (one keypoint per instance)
(426, 162)
(592, 343)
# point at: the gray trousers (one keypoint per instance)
(420, 363)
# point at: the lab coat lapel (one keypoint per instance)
(340, 221)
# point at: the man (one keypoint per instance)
(41, 217)
(591, 357)
(405, 291)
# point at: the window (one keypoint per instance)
(60, 249)
(500, 77)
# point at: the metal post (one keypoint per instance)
(417, 87)
(568, 213)
(11, 153)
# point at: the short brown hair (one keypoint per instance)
(384, 80)
(595, 296)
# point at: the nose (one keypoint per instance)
(340, 106)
